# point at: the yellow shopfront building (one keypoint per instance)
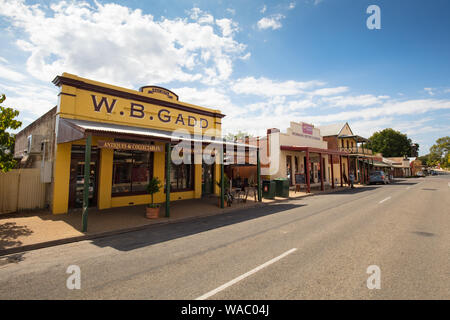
(129, 135)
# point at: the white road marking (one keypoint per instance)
(408, 188)
(384, 200)
(245, 275)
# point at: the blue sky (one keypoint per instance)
(262, 63)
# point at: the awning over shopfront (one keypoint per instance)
(381, 164)
(357, 138)
(308, 151)
(72, 130)
(314, 150)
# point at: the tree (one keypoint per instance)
(439, 152)
(7, 139)
(391, 143)
(237, 136)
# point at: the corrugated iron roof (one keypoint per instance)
(147, 132)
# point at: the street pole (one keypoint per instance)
(87, 175)
(168, 165)
(222, 176)
(258, 169)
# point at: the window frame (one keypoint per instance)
(192, 164)
(150, 169)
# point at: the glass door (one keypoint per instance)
(207, 179)
(76, 182)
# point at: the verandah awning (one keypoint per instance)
(314, 150)
(71, 130)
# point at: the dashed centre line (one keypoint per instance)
(384, 200)
(245, 275)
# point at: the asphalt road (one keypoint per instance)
(314, 248)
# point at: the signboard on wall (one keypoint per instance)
(130, 146)
(307, 128)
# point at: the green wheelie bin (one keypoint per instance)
(282, 187)
(268, 189)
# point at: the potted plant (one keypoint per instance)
(152, 210)
(226, 184)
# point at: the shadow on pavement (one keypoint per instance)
(10, 232)
(405, 183)
(161, 233)
(354, 191)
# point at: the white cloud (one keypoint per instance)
(329, 91)
(10, 74)
(231, 11)
(430, 91)
(246, 56)
(269, 88)
(214, 98)
(263, 10)
(273, 21)
(98, 41)
(361, 100)
(32, 98)
(388, 108)
(292, 5)
(227, 26)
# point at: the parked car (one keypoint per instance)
(378, 177)
(420, 174)
(433, 173)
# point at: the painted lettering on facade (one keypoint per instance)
(138, 111)
(307, 128)
(129, 146)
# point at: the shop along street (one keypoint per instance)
(318, 247)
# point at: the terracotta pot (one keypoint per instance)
(152, 213)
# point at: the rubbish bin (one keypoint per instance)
(282, 188)
(268, 189)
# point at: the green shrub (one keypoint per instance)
(154, 186)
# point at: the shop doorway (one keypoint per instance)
(207, 179)
(311, 171)
(289, 169)
(76, 182)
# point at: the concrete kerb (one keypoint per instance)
(52, 243)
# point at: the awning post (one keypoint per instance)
(358, 174)
(340, 169)
(348, 170)
(87, 175)
(258, 170)
(322, 167)
(308, 165)
(222, 178)
(332, 171)
(168, 165)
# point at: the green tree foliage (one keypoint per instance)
(237, 136)
(7, 139)
(439, 152)
(391, 143)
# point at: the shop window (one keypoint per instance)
(182, 176)
(131, 172)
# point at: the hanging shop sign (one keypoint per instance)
(129, 146)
